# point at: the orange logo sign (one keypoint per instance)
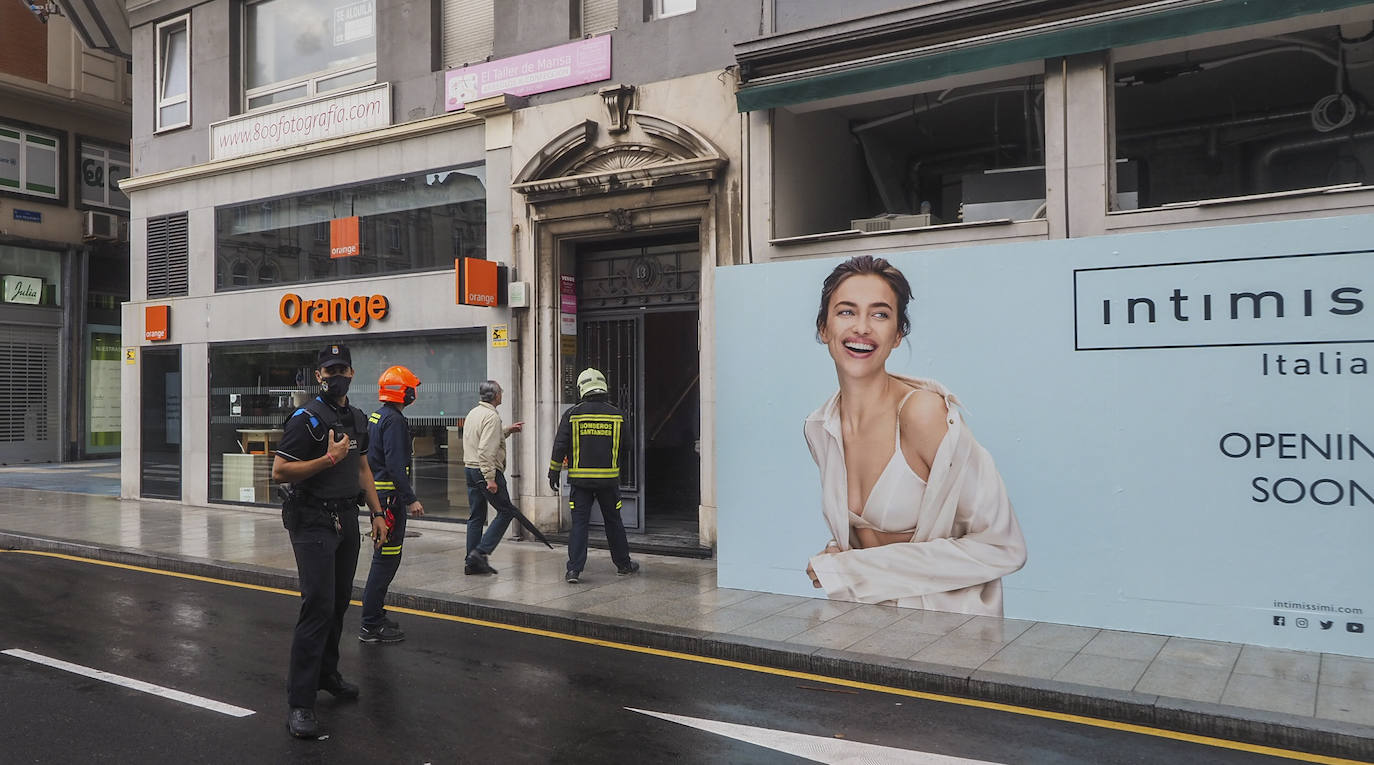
(157, 322)
(480, 282)
(343, 238)
(356, 310)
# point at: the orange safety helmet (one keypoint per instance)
(397, 384)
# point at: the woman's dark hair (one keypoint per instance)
(867, 264)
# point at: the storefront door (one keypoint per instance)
(160, 457)
(28, 394)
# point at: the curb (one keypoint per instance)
(1293, 732)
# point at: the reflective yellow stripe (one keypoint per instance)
(617, 505)
(374, 417)
(397, 551)
(391, 549)
(594, 472)
(385, 485)
(555, 465)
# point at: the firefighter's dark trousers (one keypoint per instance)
(607, 495)
(386, 559)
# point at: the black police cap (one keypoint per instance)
(334, 354)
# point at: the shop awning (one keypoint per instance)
(1091, 31)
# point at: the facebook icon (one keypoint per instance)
(1279, 621)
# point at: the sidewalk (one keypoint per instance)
(1322, 703)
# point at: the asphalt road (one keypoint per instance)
(454, 692)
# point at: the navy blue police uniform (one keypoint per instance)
(388, 455)
(321, 514)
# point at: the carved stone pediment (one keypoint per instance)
(653, 151)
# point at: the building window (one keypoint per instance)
(30, 162)
(1275, 114)
(592, 17)
(469, 31)
(167, 256)
(30, 277)
(255, 386)
(101, 170)
(298, 49)
(174, 73)
(938, 155)
(288, 231)
(662, 9)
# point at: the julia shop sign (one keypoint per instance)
(23, 289)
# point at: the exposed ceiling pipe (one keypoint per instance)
(1262, 169)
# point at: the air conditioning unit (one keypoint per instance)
(101, 225)
(892, 222)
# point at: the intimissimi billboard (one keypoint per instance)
(1173, 432)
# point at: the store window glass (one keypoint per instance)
(30, 277)
(102, 168)
(300, 48)
(416, 222)
(254, 387)
(955, 154)
(1272, 114)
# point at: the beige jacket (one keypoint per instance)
(484, 441)
(966, 537)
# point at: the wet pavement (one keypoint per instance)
(1310, 701)
(141, 666)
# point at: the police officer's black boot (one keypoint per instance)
(301, 723)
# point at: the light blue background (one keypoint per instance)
(1133, 518)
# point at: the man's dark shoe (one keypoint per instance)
(301, 723)
(633, 568)
(571, 577)
(387, 633)
(338, 687)
(476, 563)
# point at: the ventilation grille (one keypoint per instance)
(599, 16)
(167, 256)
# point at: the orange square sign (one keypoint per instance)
(343, 238)
(478, 281)
(157, 322)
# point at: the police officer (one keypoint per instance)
(388, 455)
(589, 434)
(320, 455)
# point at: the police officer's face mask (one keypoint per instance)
(336, 386)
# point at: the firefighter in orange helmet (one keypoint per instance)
(388, 455)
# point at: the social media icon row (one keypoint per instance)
(1301, 622)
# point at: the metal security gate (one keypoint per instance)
(28, 395)
(614, 344)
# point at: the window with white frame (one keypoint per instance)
(469, 31)
(30, 162)
(100, 172)
(174, 73)
(662, 9)
(295, 49)
(1283, 112)
(592, 17)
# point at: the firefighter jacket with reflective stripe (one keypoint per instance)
(589, 438)
(389, 452)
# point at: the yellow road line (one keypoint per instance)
(1027, 711)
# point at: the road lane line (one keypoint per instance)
(129, 682)
(1192, 738)
(832, 751)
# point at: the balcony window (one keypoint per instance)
(298, 49)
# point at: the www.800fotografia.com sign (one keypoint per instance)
(1181, 421)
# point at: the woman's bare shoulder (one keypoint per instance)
(924, 420)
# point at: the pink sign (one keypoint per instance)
(567, 294)
(563, 66)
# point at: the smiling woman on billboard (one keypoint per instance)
(918, 513)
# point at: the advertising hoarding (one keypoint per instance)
(562, 66)
(1181, 420)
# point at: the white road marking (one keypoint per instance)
(832, 751)
(128, 682)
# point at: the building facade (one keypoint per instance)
(64, 145)
(437, 136)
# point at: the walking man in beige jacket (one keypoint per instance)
(484, 457)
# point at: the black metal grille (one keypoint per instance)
(612, 345)
(168, 255)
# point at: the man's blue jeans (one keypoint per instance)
(478, 499)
